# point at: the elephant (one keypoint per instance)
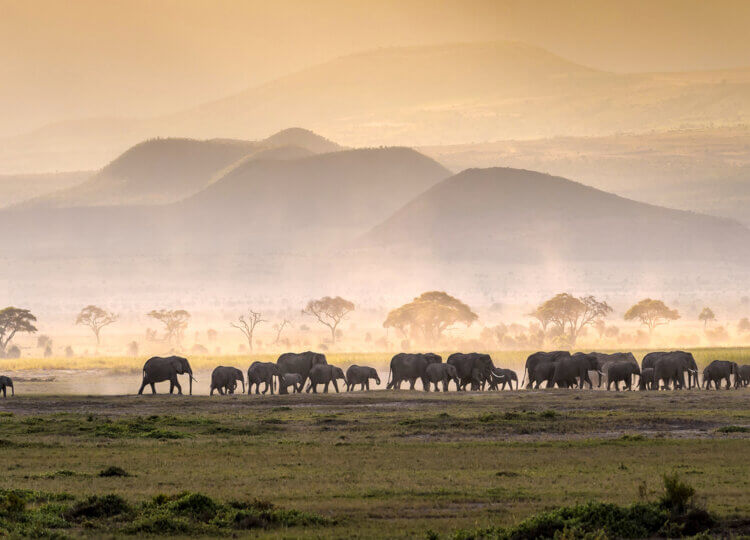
(360, 375)
(718, 370)
(224, 379)
(300, 363)
(503, 376)
(646, 381)
(324, 374)
(686, 361)
(575, 370)
(621, 370)
(670, 370)
(474, 368)
(5, 383)
(410, 367)
(290, 379)
(744, 378)
(542, 372)
(603, 359)
(540, 357)
(158, 369)
(262, 372)
(444, 373)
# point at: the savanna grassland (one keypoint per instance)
(378, 464)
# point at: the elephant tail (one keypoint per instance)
(525, 369)
(390, 372)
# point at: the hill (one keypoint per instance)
(16, 188)
(515, 215)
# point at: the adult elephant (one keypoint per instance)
(621, 371)
(325, 375)
(540, 358)
(719, 370)
(410, 367)
(5, 383)
(360, 375)
(474, 368)
(744, 378)
(262, 372)
(575, 370)
(224, 379)
(542, 372)
(158, 369)
(604, 359)
(300, 363)
(669, 371)
(444, 373)
(685, 359)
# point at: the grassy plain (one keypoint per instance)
(384, 464)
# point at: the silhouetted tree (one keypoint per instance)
(12, 321)
(429, 315)
(95, 318)
(133, 348)
(570, 314)
(707, 315)
(247, 326)
(743, 326)
(175, 322)
(651, 313)
(329, 311)
(211, 334)
(279, 327)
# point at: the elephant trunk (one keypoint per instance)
(191, 382)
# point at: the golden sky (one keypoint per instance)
(70, 59)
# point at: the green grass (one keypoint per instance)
(381, 464)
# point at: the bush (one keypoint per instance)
(96, 506)
(677, 494)
(113, 470)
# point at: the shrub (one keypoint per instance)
(677, 494)
(113, 470)
(98, 506)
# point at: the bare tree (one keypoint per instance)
(247, 326)
(175, 322)
(329, 312)
(279, 327)
(95, 318)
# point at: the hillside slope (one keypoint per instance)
(515, 215)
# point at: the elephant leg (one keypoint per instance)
(271, 385)
(366, 385)
(140, 391)
(177, 384)
(211, 393)
(335, 385)
(325, 387)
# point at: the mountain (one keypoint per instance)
(515, 215)
(16, 188)
(161, 171)
(429, 95)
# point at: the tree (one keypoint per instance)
(175, 322)
(706, 316)
(247, 326)
(95, 318)
(429, 315)
(279, 327)
(43, 341)
(543, 314)
(12, 321)
(133, 348)
(651, 313)
(329, 312)
(743, 326)
(569, 314)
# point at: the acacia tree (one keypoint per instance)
(707, 315)
(175, 322)
(569, 314)
(247, 326)
(429, 315)
(329, 312)
(12, 321)
(95, 318)
(651, 313)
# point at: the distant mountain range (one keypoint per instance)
(427, 95)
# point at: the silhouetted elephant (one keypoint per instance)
(445, 373)
(324, 375)
(410, 367)
(685, 360)
(502, 377)
(540, 358)
(719, 370)
(603, 359)
(474, 368)
(300, 363)
(744, 378)
(360, 375)
(621, 371)
(646, 381)
(669, 370)
(158, 369)
(542, 372)
(224, 379)
(5, 383)
(262, 372)
(290, 379)
(575, 370)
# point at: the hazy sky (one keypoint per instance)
(80, 58)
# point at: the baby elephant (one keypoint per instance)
(360, 375)
(5, 383)
(647, 379)
(290, 379)
(744, 378)
(224, 380)
(621, 372)
(324, 374)
(445, 373)
(542, 372)
(502, 377)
